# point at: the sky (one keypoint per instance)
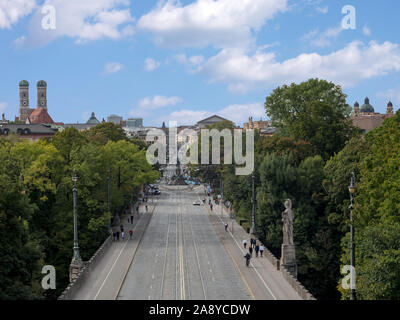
(187, 60)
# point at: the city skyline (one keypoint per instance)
(140, 58)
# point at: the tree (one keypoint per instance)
(106, 131)
(315, 111)
(376, 216)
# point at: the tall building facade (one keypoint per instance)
(38, 115)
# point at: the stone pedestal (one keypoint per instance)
(74, 268)
(288, 259)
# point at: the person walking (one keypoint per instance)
(244, 243)
(121, 227)
(146, 208)
(257, 248)
(226, 227)
(130, 234)
(261, 250)
(131, 219)
(137, 209)
(122, 235)
(251, 251)
(211, 206)
(117, 235)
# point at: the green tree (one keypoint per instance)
(315, 111)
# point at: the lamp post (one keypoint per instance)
(76, 263)
(253, 223)
(108, 196)
(352, 190)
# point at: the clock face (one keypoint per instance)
(42, 103)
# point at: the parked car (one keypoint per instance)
(196, 203)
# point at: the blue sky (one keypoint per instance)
(186, 60)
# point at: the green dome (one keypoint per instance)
(367, 107)
(24, 83)
(42, 83)
(93, 119)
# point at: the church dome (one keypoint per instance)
(93, 119)
(24, 83)
(42, 83)
(367, 108)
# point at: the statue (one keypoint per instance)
(288, 255)
(287, 219)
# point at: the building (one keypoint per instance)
(31, 132)
(367, 119)
(114, 119)
(134, 123)
(210, 121)
(38, 115)
(258, 125)
(93, 119)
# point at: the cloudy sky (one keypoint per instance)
(185, 60)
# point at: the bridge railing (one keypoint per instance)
(70, 292)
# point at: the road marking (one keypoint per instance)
(115, 262)
(240, 248)
(109, 272)
(136, 249)
(165, 259)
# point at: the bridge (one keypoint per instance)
(181, 251)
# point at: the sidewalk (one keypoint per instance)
(264, 281)
(105, 280)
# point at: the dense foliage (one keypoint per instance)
(36, 216)
(310, 161)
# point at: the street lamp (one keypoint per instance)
(352, 190)
(253, 223)
(76, 263)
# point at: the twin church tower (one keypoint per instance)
(25, 112)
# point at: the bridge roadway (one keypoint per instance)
(181, 252)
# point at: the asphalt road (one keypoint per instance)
(181, 257)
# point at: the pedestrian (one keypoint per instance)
(211, 206)
(117, 235)
(130, 234)
(244, 243)
(137, 209)
(131, 219)
(254, 243)
(226, 227)
(121, 227)
(251, 242)
(257, 249)
(146, 207)
(122, 235)
(251, 251)
(261, 250)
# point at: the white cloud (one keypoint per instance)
(112, 67)
(83, 21)
(221, 23)
(188, 117)
(159, 102)
(366, 31)
(151, 64)
(3, 106)
(240, 113)
(347, 67)
(323, 10)
(322, 39)
(391, 94)
(13, 10)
